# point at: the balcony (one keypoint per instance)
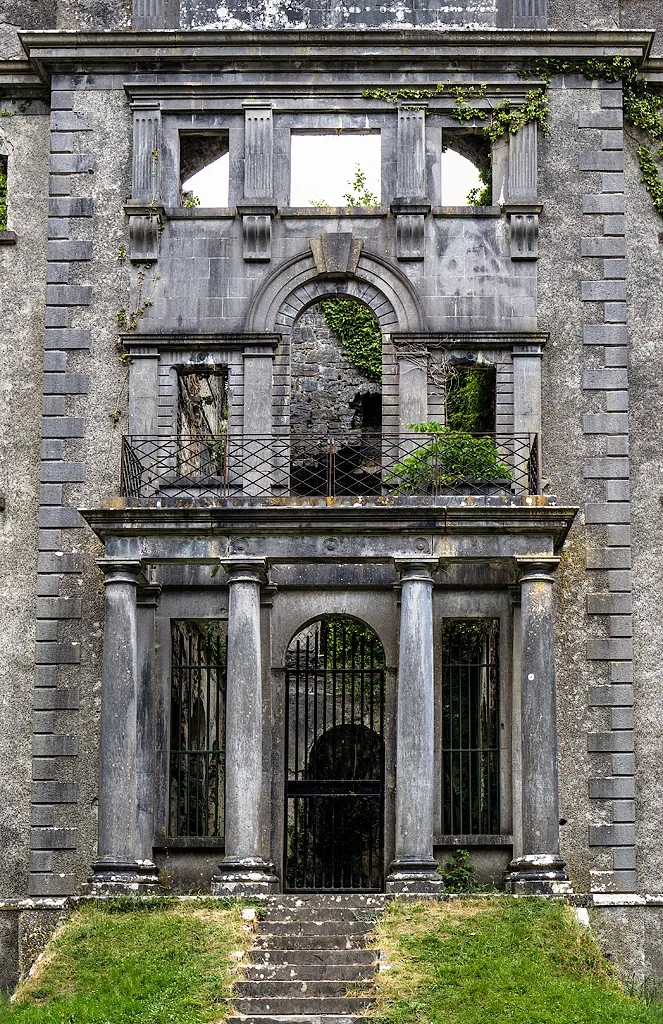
(414, 468)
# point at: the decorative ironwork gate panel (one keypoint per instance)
(197, 728)
(470, 727)
(334, 789)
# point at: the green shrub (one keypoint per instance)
(452, 456)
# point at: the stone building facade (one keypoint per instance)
(189, 578)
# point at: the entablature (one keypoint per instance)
(412, 50)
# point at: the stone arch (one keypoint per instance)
(330, 604)
(298, 284)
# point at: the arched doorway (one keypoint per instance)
(334, 786)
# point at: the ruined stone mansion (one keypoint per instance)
(259, 634)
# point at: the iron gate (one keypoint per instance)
(334, 791)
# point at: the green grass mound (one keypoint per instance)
(115, 964)
(498, 961)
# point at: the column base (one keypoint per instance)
(414, 875)
(245, 876)
(115, 877)
(538, 874)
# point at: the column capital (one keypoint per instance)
(121, 570)
(541, 569)
(245, 570)
(416, 570)
(149, 596)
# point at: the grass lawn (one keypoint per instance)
(118, 965)
(497, 961)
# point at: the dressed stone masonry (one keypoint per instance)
(245, 673)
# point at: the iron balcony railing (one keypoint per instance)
(207, 470)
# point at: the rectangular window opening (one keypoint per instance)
(470, 727)
(197, 728)
(3, 192)
(471, 399)
(202, 403)
(204, 169)
(335, 168)
(466, 171)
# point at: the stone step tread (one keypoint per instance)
(287, 901)
(308, 927)
(303, 1018)
(313, 957)
(309, 972)
(296, 1005)
(318, 915)
(337, 940)
(269, 988)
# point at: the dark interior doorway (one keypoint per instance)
(334, 788)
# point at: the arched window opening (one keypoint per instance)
(336, 399)
(334, 757)
(466, 170)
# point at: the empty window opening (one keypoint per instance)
(3, 193)
(336, 399)
(197, 728)
(204, 169)
(466, 171)
(368, 412)
(470, 727)
(337, 168)
(202, 403)
(471, 399)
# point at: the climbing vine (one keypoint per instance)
(497, 120)
(359, 331)
(642, 108)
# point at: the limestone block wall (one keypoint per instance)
(24, 138)
(83, 384)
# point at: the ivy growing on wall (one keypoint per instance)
(642, 108)
(359, 331)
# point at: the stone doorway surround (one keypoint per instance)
(245, 543)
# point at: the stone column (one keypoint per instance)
(244, 871)
(540, 869)
(413, 869)
(124, 861)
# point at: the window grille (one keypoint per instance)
(197, 728)
(470, 727)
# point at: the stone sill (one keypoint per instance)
(8, 238)
(334, 211)
(190, 843)
(464, 841)
(467, 211)
(200, 212)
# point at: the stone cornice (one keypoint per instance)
(213, 523)
(416, 50)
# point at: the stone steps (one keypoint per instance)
(310, 964)
(291, 987)
(312, 957)
(309, 972)
(334, 940)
